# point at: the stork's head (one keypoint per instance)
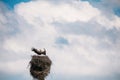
(32, 49)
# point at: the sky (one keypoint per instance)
(81, 37)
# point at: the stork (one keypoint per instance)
(39, 52)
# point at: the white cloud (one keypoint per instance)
(62, 12)
(76, 11)
(109, 23)
(14, 67)
(83, 57)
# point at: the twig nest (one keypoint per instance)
(40, 66)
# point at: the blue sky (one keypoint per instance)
(81, 37)
(11, 3)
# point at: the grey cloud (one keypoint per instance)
(108, 38)
(91, 29)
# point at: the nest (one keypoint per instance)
(40, 67)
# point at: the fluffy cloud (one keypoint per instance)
(81, 11)
(41, 24)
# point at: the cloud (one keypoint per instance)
(74, 11)
(108, 23)
(10, 66)
(108, 7)
(84, 32)
(77, 11)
